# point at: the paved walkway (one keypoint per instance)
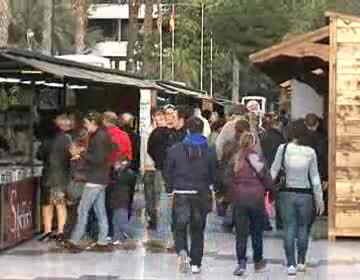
(33, 260)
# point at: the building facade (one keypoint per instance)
(112, 18)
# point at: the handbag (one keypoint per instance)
(280, 181)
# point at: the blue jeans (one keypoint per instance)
(165, 217)
(296, 210)
(121, 224)
(93, 196)
(249, 220)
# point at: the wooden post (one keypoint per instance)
(332, 132)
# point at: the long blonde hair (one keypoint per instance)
(246, 143)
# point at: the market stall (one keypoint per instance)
(34, 80)
(328, 61)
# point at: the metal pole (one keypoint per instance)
(173, 52)
(211, 64)
(161, 53)
(202, 46)
(52, 27)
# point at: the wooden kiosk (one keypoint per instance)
(328, 59)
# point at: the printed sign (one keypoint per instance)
(18, 208)
(145, 108)
(255, 104)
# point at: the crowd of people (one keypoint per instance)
(92, 165)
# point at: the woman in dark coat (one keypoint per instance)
(56, 157)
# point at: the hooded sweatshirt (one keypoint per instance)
(190, 166)
(121, 142)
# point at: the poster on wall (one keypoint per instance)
(255, 104)
(145, 108)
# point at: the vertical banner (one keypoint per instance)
(145, 108)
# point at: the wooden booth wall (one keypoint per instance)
(344, 124)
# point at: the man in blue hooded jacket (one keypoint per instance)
(189, 171)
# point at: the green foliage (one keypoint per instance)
(248, 25)
(28, 15)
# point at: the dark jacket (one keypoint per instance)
(96, 158)
(43, 154)
(160, 140)
(157, 146)
(58, 176)
(121, 189)
(135, 143)
(190, 166)
(247, 185)
(319, 143)
(270, 141)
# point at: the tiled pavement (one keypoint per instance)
(32, 260)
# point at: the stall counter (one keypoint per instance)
(19, 204)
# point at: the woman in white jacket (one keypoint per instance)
(302, 189)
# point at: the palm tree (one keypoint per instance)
(80, 8)
(4, 22)
(47, 32)
(148, 29)
(134, 6)
(187, 67)
(28, 15)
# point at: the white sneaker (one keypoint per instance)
(195, 269)
(184, 262)
(291, 270)
(301, 267)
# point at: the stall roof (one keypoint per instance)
(175, 88)
(303, 45)
(28, 65)
(301, 54)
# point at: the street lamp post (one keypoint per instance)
(211, 64)
(202, 46)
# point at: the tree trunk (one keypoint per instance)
(134, 6)
(148, 28)
(236, 80)
(80, 14)
(4, 22)
(46, 43)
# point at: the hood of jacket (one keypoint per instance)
(195, 145)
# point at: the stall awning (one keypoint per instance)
(302, 54)
(175, 88)
(22, 64)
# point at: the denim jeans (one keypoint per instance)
(190, 213)
(152, 195)
(121, 224)
(92, 197)
(248, 220)
(296, 210)
(165, 217)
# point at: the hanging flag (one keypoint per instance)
(172, 19)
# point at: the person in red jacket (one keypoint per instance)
(118, 137)
(118, 195)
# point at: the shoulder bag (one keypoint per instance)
(280, 182)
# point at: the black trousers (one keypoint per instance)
(249, 220)
(190, 211)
